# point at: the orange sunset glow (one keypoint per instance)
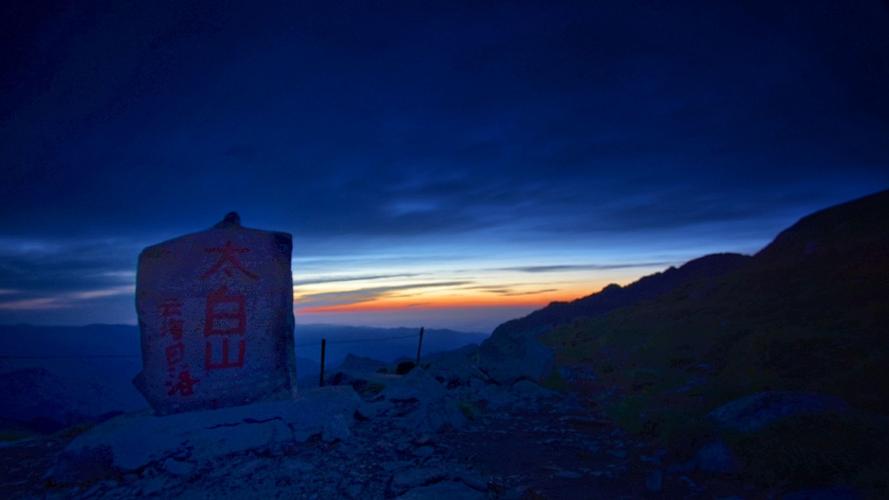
(425, 296)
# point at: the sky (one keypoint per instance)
(441, 164)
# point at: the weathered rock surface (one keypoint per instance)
(360, 364)
(457, 366)
(417, 402)
(132, 442)
(216, 319)
(509, 356)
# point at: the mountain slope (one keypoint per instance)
(809, 313)
(513, 351)
(614, 296)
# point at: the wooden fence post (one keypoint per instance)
(323, 348)
(420, 345)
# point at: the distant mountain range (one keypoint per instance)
(51, 376)
(384, 344)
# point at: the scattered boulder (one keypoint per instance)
(415, 386)
(496, 397)
(456, 367)
(716, 458)
(404, 367)
(754, 412)
(360, 364)
(416, 402)
(508, 356)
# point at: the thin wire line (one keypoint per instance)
(302, 344)
(378, 339)
(355, 341)
(74, 356)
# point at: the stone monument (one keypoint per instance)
(216, 319)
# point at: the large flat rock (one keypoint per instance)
(132, 442)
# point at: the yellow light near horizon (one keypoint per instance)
(482, 288)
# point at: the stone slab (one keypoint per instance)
(216, 319)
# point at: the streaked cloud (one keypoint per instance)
(359, 295)
(341, 279)
(531, 292)
(583, 267)
(63, 300)
(513, 151)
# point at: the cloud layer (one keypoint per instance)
(539, 150)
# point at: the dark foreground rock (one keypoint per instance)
(185, 441)
(420, 435)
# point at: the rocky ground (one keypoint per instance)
(416, 436)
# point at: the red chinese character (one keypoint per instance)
(228, 261)
(175, 327)
(225, 314)
(226, 361)
(185, 385)
(171, 307)
(175, 353)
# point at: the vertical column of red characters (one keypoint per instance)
(225, 316)
(179, 379)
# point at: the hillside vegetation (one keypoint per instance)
(810, 312)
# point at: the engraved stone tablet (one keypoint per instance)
(216, 318)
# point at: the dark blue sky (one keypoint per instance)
(534, 150)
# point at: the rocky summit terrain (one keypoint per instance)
(729, 377)
(432, 433)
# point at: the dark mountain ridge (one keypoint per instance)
(615, 296)
(808, 314)
(513, 351)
